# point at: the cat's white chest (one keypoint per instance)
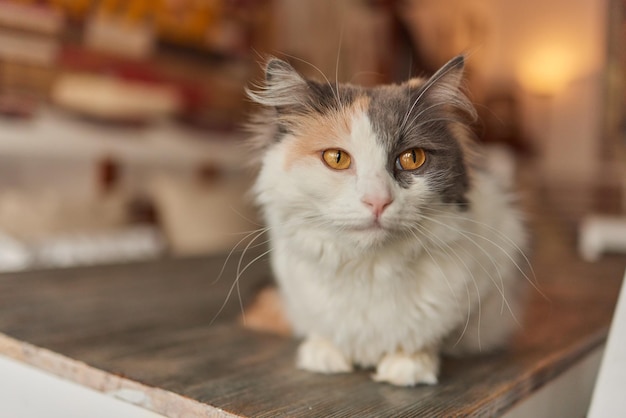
(368, 305)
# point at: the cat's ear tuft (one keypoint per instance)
(284, 87)
(452, 71)
(445, 83)
(279, 69)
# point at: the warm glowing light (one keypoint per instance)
(546, 69)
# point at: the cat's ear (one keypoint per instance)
(284, 87)
(445, 83)
(445, 87)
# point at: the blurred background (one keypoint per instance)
(120, 120)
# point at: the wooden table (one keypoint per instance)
(146, 328)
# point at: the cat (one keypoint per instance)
(390, 242)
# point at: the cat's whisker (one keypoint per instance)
(506, 253)
(243, 253)
(337, 66)
(516, 264)
(497, 232)
(260, 244)
(410, 72)
(490, 257)
(234, 285)
(463, 232)
(239, 274)
(468, 314)
(244, 217)
(500, 287)
(445, 247)
(425, 248)
(314, 221)
(259, 231)
(408, 98)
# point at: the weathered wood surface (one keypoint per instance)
(147, 327)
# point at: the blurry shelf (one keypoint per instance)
(54, 134)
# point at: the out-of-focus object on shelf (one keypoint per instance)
(47, 229)
(14, 255)
(203, 217)
(106, 98)
(53, 135)
(200, 50)
(207, 94)
(223, 27)
(29, 45)
(111, 34)
(18, 106)
(602, 234)
(35, 216)
(37, 18)
(27, 49)
(132, 243)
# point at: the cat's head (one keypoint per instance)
(366, 162)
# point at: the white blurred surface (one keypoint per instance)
(566, 396)
(26, 392)
(609, 396)
(600, 234)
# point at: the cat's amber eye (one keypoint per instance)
(337, 159)
(411, 159)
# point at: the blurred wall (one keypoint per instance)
(561, 43)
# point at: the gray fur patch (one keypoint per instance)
(324, 98)
(414, 115)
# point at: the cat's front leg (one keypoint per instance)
(402, 369)
(318, 354)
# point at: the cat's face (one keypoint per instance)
(362, 163)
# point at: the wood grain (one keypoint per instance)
(148, 327)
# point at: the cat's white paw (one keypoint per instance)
(319, 355)
(402, 369)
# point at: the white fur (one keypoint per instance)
(431, 278)
(408, 369)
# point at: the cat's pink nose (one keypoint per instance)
(377, 204)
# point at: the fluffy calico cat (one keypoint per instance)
(390, 243)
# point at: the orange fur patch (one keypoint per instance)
(314, 134)
(266, 314)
